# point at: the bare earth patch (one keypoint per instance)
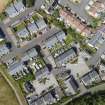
(3, 4)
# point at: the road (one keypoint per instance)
(96, 57)
(78, 8)
(38, 41)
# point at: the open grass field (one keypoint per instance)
(3, 4)
(7, 96)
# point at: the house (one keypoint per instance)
(102, 72)
(3, 50)
(55, 38)
(11, 11)
(61, 36)
(41, 24)
(51, 42)
(71, 86)
(19, 6)
(97, 40)
(32, 28)
(14, 9)
(41, 73)
(90, 78)
(66, 57)
(23, 33)
(10, 60)
(95, 8)
(30, 54)
(47, 98)
(50, 5)
(17, 70)
(71, 20)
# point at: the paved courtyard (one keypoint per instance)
(80, 67)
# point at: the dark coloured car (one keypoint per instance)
(2, 35)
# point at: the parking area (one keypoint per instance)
(78, 8)
(37, 64)
(79, 68)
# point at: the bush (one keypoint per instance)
(28, 3)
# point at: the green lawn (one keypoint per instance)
(7, 96)
(4, 71)
(19, 27)
(69, 39)
(35, 17)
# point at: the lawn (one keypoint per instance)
(3, 4)
(19, 27)
(3, 70)
(7, 96)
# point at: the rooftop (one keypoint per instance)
(98, 39)
(19, 6)
(11, 11)
(16, 67)
(41, 24)
(3, 50)
(23, 33)
(32, 28)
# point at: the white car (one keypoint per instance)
(37, 67)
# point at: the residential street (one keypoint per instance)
(78, 8)
(96, 57)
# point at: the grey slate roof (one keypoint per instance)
(48, 97)
(39, 74)
(23, 33)
(65, 55)
(31, 53)
(3, 50)
(51, 42)
(90, 77)
(32, 28)
(17, 67)
(11, 11)
(40, 101)
(59, 36)
(98, 39)
(41, 24)
(19, 6)
(73, 83)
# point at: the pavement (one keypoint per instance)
(79, 8)
(95, 59)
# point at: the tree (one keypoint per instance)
(95, 23)
(28, 3)
(9, 45)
